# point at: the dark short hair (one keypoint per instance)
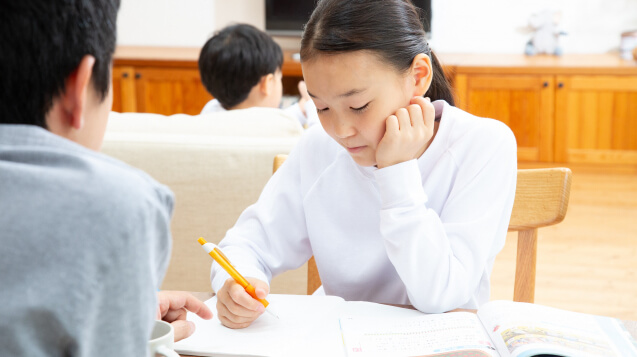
(392, 29)
(234, 60)
(42, 43)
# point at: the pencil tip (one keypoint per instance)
(272, 313)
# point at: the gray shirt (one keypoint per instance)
(84, 246)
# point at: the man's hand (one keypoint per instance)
(407, 134)
(173, 306)
(235, 307)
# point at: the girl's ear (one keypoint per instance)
(422, 74)
(266, 85)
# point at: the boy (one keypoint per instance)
(241, 67)
(85, 239)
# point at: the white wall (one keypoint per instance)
(165, 22)
(492, 26)
(182, 23)
(461, 26)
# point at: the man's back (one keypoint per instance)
(85, 244)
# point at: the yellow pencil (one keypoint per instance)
(220, 258)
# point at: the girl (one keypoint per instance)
(401, 197)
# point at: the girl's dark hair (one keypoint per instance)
(390, 28)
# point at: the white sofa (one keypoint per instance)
(217, 165)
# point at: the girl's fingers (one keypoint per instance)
(231, 324)
(428, 110)
(233, 315)
(404, 120)
(391, 125)
(241, 297)
(416, 115)
(238, 310)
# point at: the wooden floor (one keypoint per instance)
(588, 262)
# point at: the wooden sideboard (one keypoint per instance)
(570, 109)
(575, 108)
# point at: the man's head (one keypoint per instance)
(56, 65)
(241, 63)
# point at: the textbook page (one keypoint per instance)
(423, 335)
(300, 316)
(311, 343)
(521, 330)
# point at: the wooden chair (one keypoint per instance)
(541, 200)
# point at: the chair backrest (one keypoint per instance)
(541, 199)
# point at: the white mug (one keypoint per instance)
(162, 340)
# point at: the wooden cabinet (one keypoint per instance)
(523, 102)
(124, 99)
(169, 91)
(158, 80)
(165, 80)
(569, 109)
(158, 90)
(597, 119)
(572, 109)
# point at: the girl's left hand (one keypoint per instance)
(407, 133)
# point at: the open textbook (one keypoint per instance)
(330, 326)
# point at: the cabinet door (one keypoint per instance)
(596, 119)
(523, 102)
(124, 90)
(170, 91)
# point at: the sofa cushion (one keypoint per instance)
(253, 122)
(217, 165)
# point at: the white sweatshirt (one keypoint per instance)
(307, 120)
(423, 232)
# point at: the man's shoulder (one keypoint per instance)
(71, 175)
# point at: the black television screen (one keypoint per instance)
(287, 17)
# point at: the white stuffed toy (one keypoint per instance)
(546, 33)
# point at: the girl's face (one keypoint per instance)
(354, 93)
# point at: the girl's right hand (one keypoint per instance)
(408, 133)
(235, 307)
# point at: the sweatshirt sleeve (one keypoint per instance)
(270, 236)
(295, 111)
(441, 257)
(309, 118)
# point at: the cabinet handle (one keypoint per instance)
(545, 84)
(560, 85)
(138, 75)
(125, 74)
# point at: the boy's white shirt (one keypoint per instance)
(307, 120)
(423, 232)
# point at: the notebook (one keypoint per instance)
(330, 326)
(308, 326)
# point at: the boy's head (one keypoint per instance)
(241, 63)
(56, 65)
